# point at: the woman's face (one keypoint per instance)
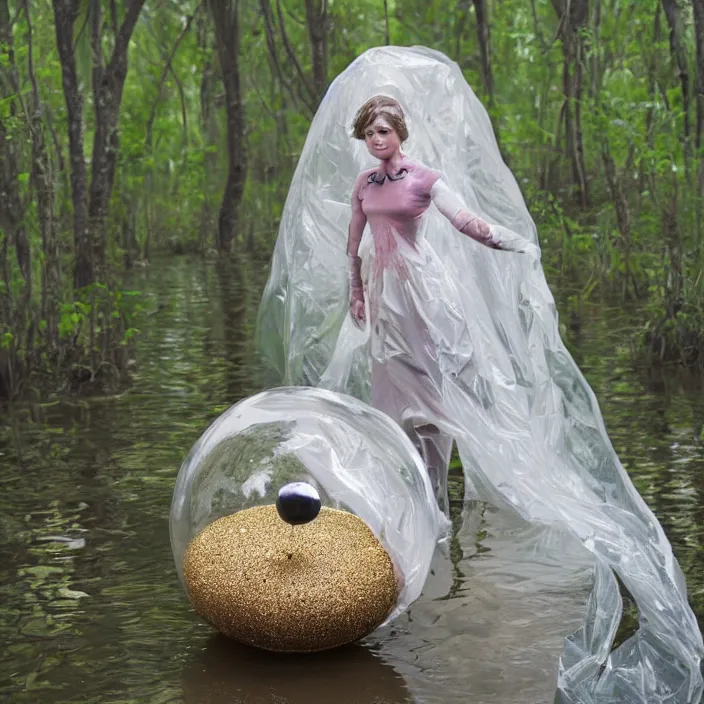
(381, 139)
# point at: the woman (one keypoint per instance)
(458, 340)
(415, 335)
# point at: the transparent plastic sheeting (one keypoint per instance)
(357, 458)
(527, 425)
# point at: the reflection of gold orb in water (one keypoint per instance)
(222, 671)
(313, 587)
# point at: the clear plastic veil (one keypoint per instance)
(526, 423)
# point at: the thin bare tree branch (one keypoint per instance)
(311, 100)
(169, 69)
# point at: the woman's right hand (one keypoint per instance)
(357, 309)
(356, 290)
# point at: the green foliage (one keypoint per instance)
(100, 312)
(172, 157)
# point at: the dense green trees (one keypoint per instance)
(131, 126)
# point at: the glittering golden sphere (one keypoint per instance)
(296, 589)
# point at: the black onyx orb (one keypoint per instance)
(298, 503)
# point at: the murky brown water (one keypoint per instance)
(90, 606)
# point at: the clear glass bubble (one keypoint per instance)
(357, 459)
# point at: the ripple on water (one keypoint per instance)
(90, 605)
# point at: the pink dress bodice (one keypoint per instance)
(394, 205)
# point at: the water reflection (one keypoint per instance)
(224, 672)
(491, 623)
(90, 606)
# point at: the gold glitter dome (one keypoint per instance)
(296, 589)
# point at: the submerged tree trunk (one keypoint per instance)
(652, 66)
(90, 205)
(65, 15)
(286, 65)
(275, 60)
(10, 206)
(210, 130)
(387, 32)
(17, 331)
(208, 126)
(623, 214)
(484, 35)
(43, 180)
(149, 195)
(573, 16)
(675, 22)
(698, 8)
(674, 283)
(225, 15)
(108, 83)
(317, 20)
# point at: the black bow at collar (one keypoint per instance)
(379, 180)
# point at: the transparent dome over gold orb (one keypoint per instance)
(358, 460)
